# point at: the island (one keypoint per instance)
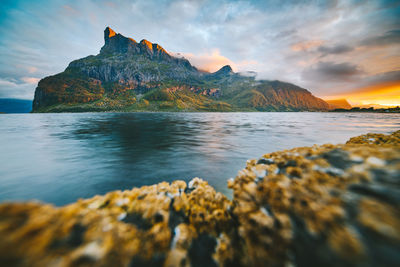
(142, 76)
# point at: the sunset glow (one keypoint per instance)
(385, 94)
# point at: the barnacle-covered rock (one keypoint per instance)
(322, 205)
(163, 224)
(377, 139)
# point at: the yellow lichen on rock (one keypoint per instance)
(148, 225)
(377, 139)
(318, 205)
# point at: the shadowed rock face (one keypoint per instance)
(330, 205)
(125, 69)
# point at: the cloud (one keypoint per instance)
(70, 11)
(378, 80)
(31, 80)
(307, 45)
(6, 83)
(286, 33)
(334, 50)
(32, 69)
(389, 38)
(332, 72)
(213, 61)
(210, 62)
(383, 93)
(383, 88)
(14, 89)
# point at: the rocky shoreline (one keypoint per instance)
(329, 205)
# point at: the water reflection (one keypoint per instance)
(61, 157)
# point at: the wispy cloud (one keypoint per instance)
(335, 49)
(213, 61)
(30, 80)
(332, 72)
(307, 45)
(388, 38)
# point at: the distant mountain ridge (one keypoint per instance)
(14, 105)
(137, 76)
(339, 103)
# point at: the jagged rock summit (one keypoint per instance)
(108, 33)
(139, 76)
(117, 43)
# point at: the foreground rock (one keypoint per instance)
(330, 205)
(322, 205)
(172, 224)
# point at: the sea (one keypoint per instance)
(59, 158)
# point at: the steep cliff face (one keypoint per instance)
(126, 72)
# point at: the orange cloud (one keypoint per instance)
(307, 45)
(386, 93)
(30, 80)
(32, 69)
(213, 61)
(208, 61)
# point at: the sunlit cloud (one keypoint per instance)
(307, 45)
(31, 80)
(213, 61)
(386, 94)
(210, 62)
(32, 69)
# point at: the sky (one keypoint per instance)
(334, 49)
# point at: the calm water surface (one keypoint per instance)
(59, 158)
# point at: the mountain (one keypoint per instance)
(338, 103)
(136, 76)
(375, 106)
(13, 105)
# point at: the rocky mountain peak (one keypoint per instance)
(224, 70)
(147, 44)
(108, 33)
(117, 43)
